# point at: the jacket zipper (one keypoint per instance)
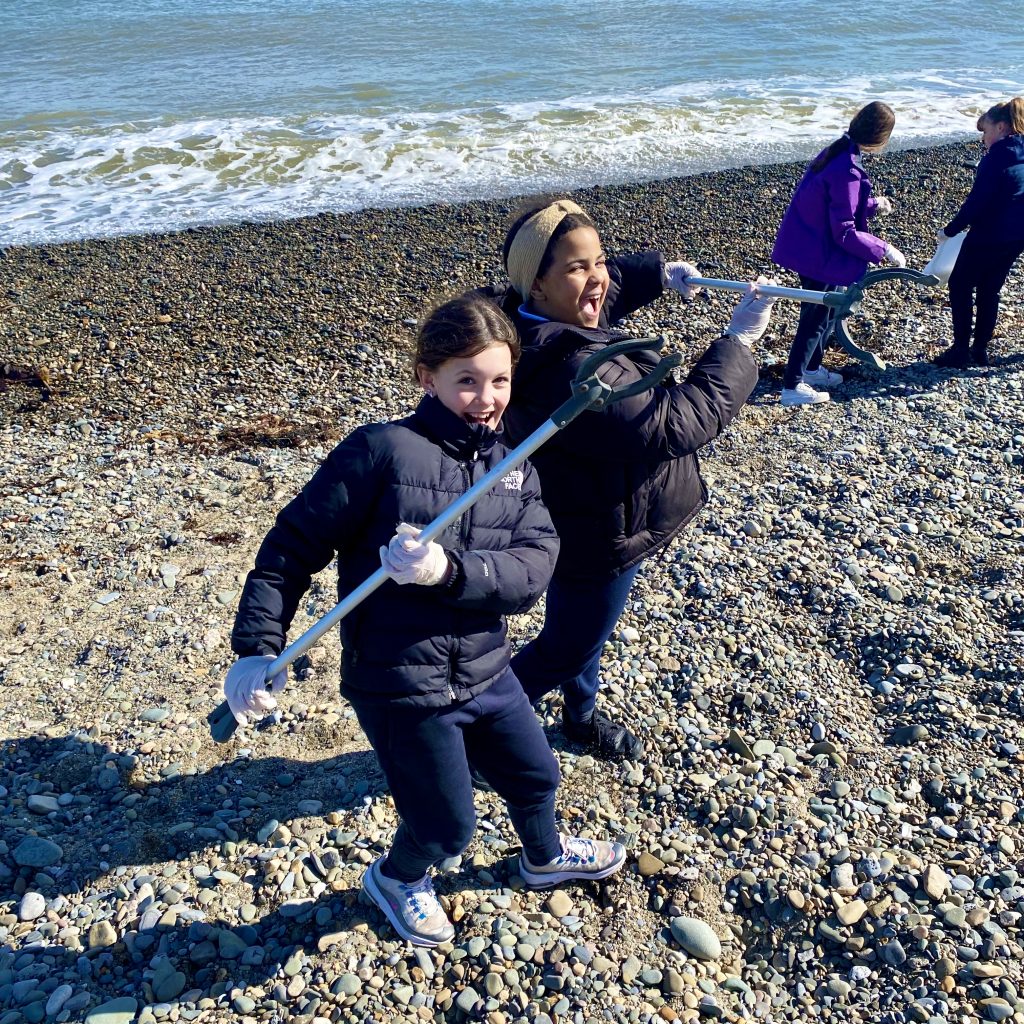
(464, 538)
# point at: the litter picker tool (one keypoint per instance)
(588, 392)
(843, 301)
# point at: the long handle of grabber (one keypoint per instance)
(222, 721)
(775, 290)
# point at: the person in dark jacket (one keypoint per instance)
(824, 237)
(620, 483)
(426, 658)
(994, 211)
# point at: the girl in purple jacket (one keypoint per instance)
(824, 238)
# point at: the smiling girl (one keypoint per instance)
(620, 483)
(426, 660)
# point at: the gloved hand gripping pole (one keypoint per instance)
(588, 392)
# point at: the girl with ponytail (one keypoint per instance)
(994, 211)
(824, 238)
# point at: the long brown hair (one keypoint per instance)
(1011, 112)
(871, 126)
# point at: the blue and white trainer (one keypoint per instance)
(580, 859)
(411, 907)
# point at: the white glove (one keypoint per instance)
(406, 560)
(751, 315)
(883, 205)
(940, 235)
(247, 690)
(676, 275)
(893, 256)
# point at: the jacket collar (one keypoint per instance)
(457, 438)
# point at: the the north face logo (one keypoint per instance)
(513, 480)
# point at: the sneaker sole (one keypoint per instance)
(372, 890)
(548, 879)
(805, 401)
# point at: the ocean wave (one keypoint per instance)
(92, 179)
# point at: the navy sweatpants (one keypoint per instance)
(812, 334)
(974, 287)
(424, 754)
(566, 652)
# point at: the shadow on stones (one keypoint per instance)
(87, 798)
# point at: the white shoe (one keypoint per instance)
(822, 378)
(804, 394)
(580, 859)
(412, 908)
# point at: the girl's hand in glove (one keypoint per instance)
(406, 560)
(751, 315)
(894, 257)
(247, 689)
(676, 275)
(883, 204)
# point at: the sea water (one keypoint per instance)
(146, 115)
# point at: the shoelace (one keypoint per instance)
(576, 850)
(422, 897)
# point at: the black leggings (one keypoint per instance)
(976, 281)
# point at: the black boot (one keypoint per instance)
(979, 354)
(606, 738)
(954, 358)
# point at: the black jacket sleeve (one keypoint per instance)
(666, 422)
(510, 581)
(304, 539)
(983, 194)
(634, 281)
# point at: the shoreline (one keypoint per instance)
(88, 311)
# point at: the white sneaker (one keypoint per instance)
(822, 378)
(411, 907)
(804, 394)
(579, 860)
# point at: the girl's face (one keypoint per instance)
(575, 285)
(477, 388)
(993, 131)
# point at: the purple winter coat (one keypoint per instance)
(823, 234)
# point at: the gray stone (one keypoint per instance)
(116, 1011)
(697, 938)
(36, 852)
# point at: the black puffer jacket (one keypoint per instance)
(620, 482)
(420, 645)
(994, 210)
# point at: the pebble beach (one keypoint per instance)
(826, 667)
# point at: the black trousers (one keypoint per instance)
(425, 753)
(974, 287)
(812, 334)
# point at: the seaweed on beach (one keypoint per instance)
(273, 431)
(266, 431)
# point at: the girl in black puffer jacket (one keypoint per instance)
(426, 659)
(619, 482)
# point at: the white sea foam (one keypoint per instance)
(98, 180)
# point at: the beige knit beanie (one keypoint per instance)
(531, 241)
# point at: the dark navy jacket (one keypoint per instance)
(622, 481)
(994, 209)
(421, 645)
